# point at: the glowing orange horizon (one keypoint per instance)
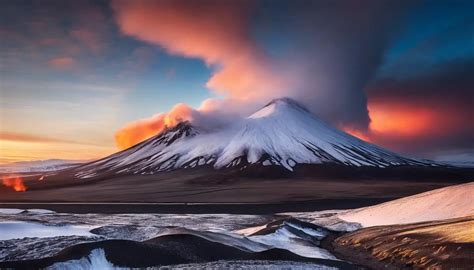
(20, 150)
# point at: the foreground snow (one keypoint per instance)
(19, 229)
(439, 204)
(47, 233)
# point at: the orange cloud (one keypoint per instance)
(401, 119)
(143, 129)
(15, 182)
(211, 30)
(62, 62)
(405, 125)
(211, 113)
(22, 137)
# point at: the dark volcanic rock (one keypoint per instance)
(165, 250)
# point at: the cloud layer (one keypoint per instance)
(215, 31)
(430, 111)
(218, 32)
(328, 57)
(325, 68)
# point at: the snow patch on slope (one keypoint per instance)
(439, 204)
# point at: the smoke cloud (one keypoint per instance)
(211, 114)
(336, 50)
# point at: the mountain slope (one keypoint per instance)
(282, 133)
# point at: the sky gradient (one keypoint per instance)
(82, 79)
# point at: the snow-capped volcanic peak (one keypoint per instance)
(280, 106)
(283, 133)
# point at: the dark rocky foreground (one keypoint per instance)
(447, 244)
(166, 250)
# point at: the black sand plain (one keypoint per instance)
(203, 190)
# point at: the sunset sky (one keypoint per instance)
(83, 79)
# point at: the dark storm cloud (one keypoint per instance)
(334, 49)
(450, 83)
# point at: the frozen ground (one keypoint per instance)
(35, 233)
(46, 233)
(20, 229)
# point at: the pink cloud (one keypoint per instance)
(62, 62)
(214, 31)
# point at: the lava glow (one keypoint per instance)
(356, 133)
(14, 182)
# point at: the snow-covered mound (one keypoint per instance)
(439, 204)
(283, 133)
(39, 165)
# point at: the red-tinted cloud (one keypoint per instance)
(429, 112)
(415, 117)
(62, 62)
(214, 31)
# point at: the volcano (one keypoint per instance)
(281, 153)
(282, 134)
